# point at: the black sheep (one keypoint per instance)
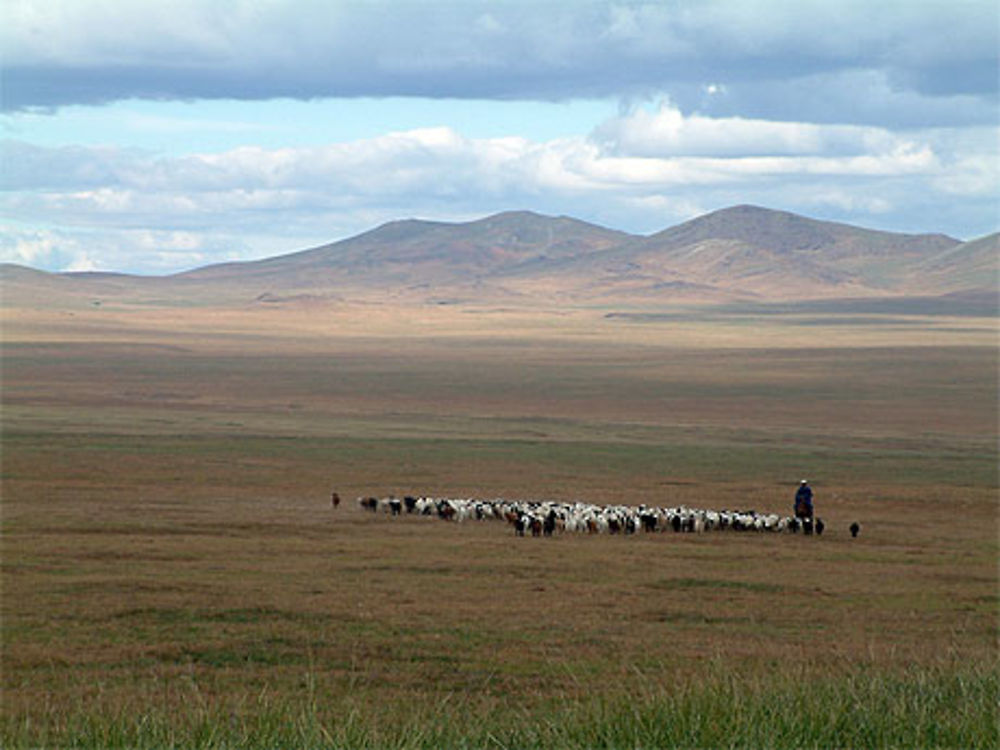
(550, 523)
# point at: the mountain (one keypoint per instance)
(961, 268)
(743, 253)
(26, 287)
(753, 252)
(421, 256)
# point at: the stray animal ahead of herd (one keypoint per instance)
(547, 517)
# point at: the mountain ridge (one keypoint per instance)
(742, 252)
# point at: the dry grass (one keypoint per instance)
(169, 548)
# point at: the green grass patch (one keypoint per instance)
(943, 707)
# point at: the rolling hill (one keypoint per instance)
(743, 253)
(749, 252)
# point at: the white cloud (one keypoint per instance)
(663, 146)
(668, 132)
(971, 176)
(115, 249)
(972, 159)
(638, 172)
(849, 201)
(38, 248)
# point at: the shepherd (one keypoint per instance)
(804, 505)
(334, 499)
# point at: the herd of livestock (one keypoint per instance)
(546, 517)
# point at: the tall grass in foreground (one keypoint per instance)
(923, 707)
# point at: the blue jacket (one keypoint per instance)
(804, 498)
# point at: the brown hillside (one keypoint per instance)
(760, 253)
(739, 253)
(965, 267)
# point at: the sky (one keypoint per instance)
(155, 136)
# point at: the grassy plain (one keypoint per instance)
(174, 575)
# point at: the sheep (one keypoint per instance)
(711, 520)
(772, 522)
(546, 517)
(648, 521)
(549, 524)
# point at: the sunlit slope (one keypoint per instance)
(743, 253)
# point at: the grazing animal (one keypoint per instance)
(855, 528)
(550, 523)
(547, 517)
(648, 522)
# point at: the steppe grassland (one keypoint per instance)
(172, 567)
